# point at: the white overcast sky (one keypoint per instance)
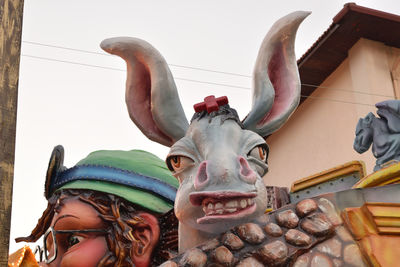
(82, 107)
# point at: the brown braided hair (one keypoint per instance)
(121, 217)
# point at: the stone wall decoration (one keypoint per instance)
(336, 229)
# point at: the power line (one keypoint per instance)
(109, 68)
(344, 90)
(335, 100)
(212, 83)
(104, 54)
(67, 48)
(197, 68)
(208, 70)
(189, 80)
(71, 62)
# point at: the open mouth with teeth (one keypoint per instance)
(218, 206)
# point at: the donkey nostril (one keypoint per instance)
(244, 170)
(201, 176)
(246, 173)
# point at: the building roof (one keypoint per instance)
(349, 25)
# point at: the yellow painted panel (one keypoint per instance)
(387, 221)
(385, 176)
(341, 170)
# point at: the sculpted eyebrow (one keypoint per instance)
(64, 216)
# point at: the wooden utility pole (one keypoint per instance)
(10, 48)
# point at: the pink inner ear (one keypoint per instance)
(138, 99)
(283, 83)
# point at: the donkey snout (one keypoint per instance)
(246, 173)
(201, 179)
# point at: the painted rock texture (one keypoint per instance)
(309, 233)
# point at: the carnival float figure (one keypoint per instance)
(219, 161)
(113, 208)
(382, 133)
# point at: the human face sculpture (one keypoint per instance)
(74, 247)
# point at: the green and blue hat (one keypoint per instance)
(136, 176)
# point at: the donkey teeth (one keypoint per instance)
(209, 208)
(228, 207)
(209, 212)
(219, 206)
(231, 210)
(243, 203)
(231, 204)
(219, 211)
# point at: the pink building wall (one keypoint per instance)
(320, 134)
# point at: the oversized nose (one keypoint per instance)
(201, 179)
(246, 173)
(219, 173)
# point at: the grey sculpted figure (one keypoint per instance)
(218, 159)
(382, 132)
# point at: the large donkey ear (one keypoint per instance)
(151, 95)
(276, 82)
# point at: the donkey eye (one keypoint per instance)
(177, 163)
(259, 152)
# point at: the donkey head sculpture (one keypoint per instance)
(218, 159)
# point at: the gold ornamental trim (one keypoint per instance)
(386, 216)
(385, 176)
(331, 174)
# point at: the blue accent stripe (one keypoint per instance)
(115, 175)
